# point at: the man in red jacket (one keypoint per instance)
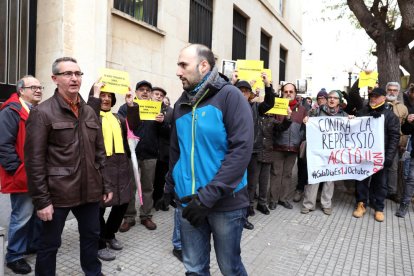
(13, 116)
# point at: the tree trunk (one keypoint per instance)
(388, 61)
(407, 62)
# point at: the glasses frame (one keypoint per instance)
(34, 88)
(65, 74)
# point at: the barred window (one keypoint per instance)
(201, 22)
(239, 36)
(264, 49)
(282, 64)
(143, 10)
(17, 43)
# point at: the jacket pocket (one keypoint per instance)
(62, 171)
(92, 128)
(63, 133)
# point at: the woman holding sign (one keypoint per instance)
(117, 166)
(331, 108)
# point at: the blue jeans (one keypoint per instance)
(409, 185)
(87, 216)
(22, 228)
(176, 238)
(226, 228)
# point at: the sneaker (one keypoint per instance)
(178, 253)
(298, 196)
(20, 266)
(106, 255)
(251, 211)
(149, 224)
(126, 225)
(379, 216)
(263, 209)
(360, 210)
(402, 210)
(115, 244)
(304, 210)
(327, 211)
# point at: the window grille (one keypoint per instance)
(264, 49)
(143, 10)
(201, 22)
(239, 36)
(17, 43)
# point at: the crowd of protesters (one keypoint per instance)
(211, 157)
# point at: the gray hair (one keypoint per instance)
(20, 83)
(393, 83)
(55, 69)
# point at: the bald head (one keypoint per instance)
(194, 62)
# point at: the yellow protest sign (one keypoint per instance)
(366, 79)
(280, 107)
(115, 81)
(148, 110)
(249, 70)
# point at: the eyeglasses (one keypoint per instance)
(34, 88)
(333, 98)
(69, 74)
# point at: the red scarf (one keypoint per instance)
(292, 104)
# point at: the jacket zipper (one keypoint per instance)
(193, 130)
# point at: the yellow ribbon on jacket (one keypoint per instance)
(112, 134)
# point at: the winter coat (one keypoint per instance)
(149, 133)
(290, 139)
(13, 131)
(211, 145)
(268, 126)
(401, 111)
(64, 155)
(118, 166)
(165, 133)
(258, 111)
(391, 128)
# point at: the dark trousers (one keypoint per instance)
(374, 189)
(258, 172)
(302, 174)
(87, 216)
(111, 226)
(159, 181)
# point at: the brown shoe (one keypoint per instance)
(360, 210)
(149, 224)
(379, 216)
(126, 225)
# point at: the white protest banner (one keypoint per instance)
(339, 148)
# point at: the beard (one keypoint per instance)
(190, 84)
(391, 98)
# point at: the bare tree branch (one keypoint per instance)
(372, 24)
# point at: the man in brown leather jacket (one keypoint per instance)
(64, 156)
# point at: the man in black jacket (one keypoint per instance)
(374, 188)
(147, 154)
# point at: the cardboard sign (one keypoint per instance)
(367, 79)
(280, 107)
(115, 81)
(148, 110)
(338, 148)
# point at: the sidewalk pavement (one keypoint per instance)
(285, 242)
